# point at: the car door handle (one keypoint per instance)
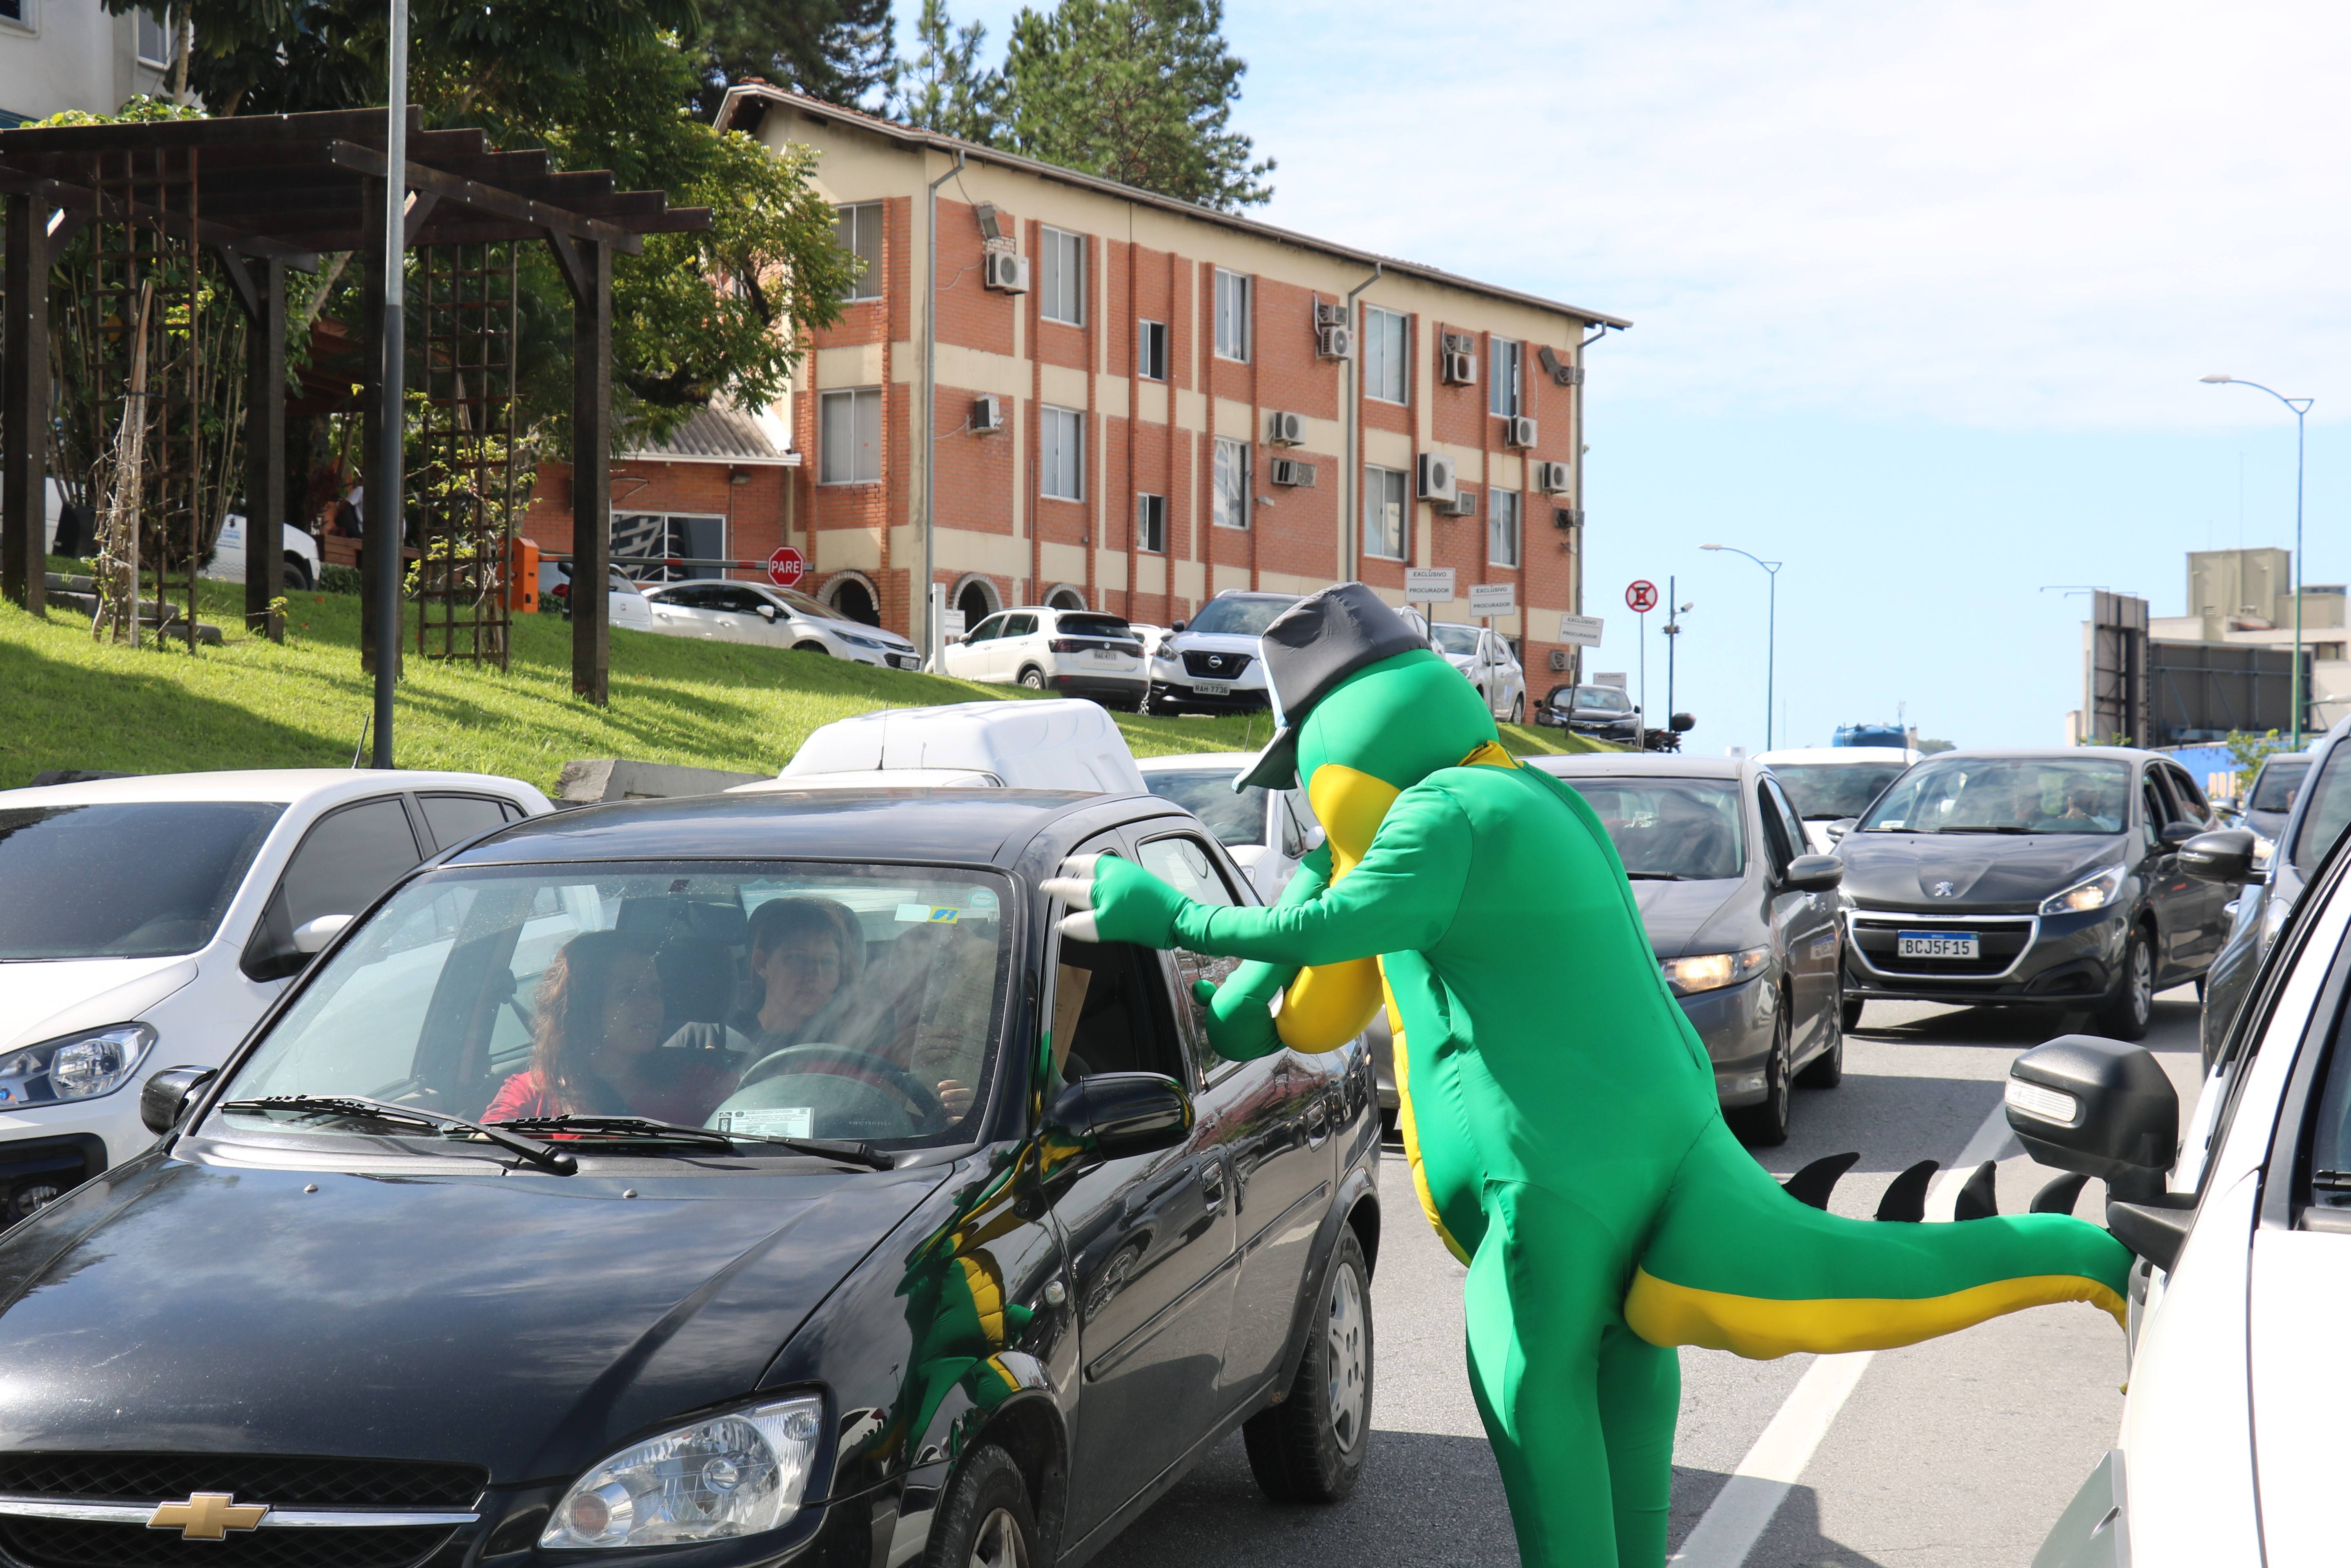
(1212, 1184)
(1317, 1123)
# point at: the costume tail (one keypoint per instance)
(1738, 1263)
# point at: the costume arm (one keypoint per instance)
(1240, 1011)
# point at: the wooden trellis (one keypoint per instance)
(467, 306)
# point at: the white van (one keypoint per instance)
(1061, 743)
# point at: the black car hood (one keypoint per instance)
(528, 1323)
(1673, 913)
(1981, 870)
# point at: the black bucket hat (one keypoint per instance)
(1308, 649)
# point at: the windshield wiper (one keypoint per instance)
(1654, 876)
(856, 1153)
(531, 1149)
(1985, 828)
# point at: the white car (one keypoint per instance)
(624, 599)
(147, 922)
(1485, 658)
(1076, 652)
(1834, 784)
(729, 612)
(2244, 1248)
(1211, 663)
(298, 567)
(1060, 743)
(1267, 832)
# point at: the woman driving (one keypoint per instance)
(806, 957)
(597, 1047)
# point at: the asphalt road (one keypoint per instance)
(1957, 1453)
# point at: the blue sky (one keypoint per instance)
(1921, 295)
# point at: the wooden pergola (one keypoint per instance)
(267, 194)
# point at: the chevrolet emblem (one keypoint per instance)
(207, 1516)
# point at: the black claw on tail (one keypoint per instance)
(1813, 1184)
(2060, 1196)
(1977, 1199)
(1906, 1196)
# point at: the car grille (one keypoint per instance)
(2001, 943)
(276, 1479)
(1215, 667)
(71, 1543)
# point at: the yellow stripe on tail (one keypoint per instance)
(1669, 1314)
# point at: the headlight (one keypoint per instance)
(731, 1475)
(75, 1066)
(1712, 971)
(2083, 896)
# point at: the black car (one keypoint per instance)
(2280, 856)
(1605, 713)
(2048, 877)
(975, 1249)
(1742, 919)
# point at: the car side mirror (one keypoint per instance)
(313, 935)
(1682, 722)
(1841, 827)
(767, 612)
(163, 1098)
(1115, 1114)
(2097, 1108)
(2224, 854)
(1813, 873)
(2177, 833)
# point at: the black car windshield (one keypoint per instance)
(2006, 794)
(1681, 830)
(1208, 794)
(142, 879)
(2280, 781)
(1608, 699)
(1828, 791)
(2330, 808)
(794, 999)
(1460, 640)
(1238, 617)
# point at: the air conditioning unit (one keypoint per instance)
(1293, 471)
(1559, 370)
(988, 412)
(1566, 517)
(1459, 369)
(1519, 431)
(1329, 315)
(1458, 343)
(1333, 343)
(1285, 429)
(1008, 274)
(1552, 478)
(1559, 658)
(1463, 505)
(1436, 475)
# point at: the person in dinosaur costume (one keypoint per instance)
(1559, 1111)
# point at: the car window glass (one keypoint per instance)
(1671, 830)
(1111, 1013)
(803, 604)
(1018, 626)
(1184, 864)
(1830, 791)
(1775, 829)
(1208, 794)
(349, 857)
(2006, 794)
(2190, 800)
(2152, 809)
(1791, 826)
(2280, 781)
(985, 630)
(2323, 816)
(687, 596)
(1239, 615)
(1070, 625)
(454, 819)
(123, 880)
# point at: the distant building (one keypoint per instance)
(1141, 403)
(56, 55)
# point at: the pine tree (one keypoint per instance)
(943, 87)
(843, 52)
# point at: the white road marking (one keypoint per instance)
(1748, 1502)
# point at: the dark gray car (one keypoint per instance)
(2271, 798)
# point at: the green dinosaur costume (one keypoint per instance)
(1559, 1111)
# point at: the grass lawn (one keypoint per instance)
(68, 702)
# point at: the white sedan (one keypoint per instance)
(147, 922)
(2244, 1248)
(1073, 653)
(1832, 784)
(1267, 832)
(1485, 657)
(727, 612)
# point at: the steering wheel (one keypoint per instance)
(848, 1062)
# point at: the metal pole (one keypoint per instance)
(1642, 728)
(930, 628)
(1673, 637)
(389, 529)
(1772, 649)
(2301, 573)
(1351, 491)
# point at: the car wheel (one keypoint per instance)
(1033, 678)
(1826, 1071)
(295, 575)
(1311, 1446)
(2126, 1013)
(986, 1520)
(1519, 708)
(1766, 1125)
(812, 648)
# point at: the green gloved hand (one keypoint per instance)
(1117, 901)
(1240, 1011)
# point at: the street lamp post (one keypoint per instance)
(1673, 612)
(2301, 406)
(1771, 636)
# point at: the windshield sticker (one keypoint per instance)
(928, 914)
(779, 1122)
(982, 899)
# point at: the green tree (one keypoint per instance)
(843, 52)
(1140, 91)
(943, 87)
(2248, 751)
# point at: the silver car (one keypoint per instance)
(727, 612)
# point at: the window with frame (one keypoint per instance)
(1502, 519)
(1061, 276)
(1060, 454)
(1386, 498)
(642, 542)
(154, 40)
(1231, 497)
(848, 436)
(857, 229)
(1185, 864)
(1232, 316)
(1150, 350)
(1151, 523)
(1505, 377)
(19, 12)
(1387, 345)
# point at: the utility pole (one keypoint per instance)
(386, 531)
(1674, 611)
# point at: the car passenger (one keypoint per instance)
(597, 1049)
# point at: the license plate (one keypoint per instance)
(1106, 656)
(1213, 688)
(1936, 944)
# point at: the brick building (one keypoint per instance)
(1137, 403)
